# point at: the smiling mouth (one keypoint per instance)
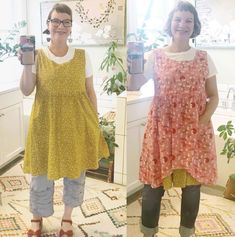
(60, 32)
(182, 31)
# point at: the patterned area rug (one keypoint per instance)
(216, 216)
(102, 214)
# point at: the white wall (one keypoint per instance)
(34, 27)
(223, 58)
(10, 70)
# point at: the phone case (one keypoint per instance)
(135, 57)
(27, 45)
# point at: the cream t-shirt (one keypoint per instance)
(181, 56)
(60, 60)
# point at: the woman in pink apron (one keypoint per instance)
(178, 147)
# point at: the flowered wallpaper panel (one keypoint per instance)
(94, 22)
(218, 23)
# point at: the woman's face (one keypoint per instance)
(182, 25)
(60, 30)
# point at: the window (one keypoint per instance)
(152, 13)
(12, 12)
(149, 15)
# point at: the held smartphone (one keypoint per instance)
(27, 46)
(135, 57)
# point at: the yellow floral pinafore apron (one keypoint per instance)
(64, 138)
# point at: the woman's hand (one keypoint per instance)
(204, 119)
(213, 99)
(135, 81)
(19, 55)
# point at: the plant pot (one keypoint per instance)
(229, 192)
(110, 172)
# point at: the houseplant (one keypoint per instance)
(9, 45)
(108, 129)
(226, 132)
(115, 81)
(106, 166)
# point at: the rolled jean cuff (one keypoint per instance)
(148, 231)
(186, 232)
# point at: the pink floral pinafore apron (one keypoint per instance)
(173, 137)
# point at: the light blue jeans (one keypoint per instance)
(42, 191)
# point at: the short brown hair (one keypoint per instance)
(184, 6)
(61, 8)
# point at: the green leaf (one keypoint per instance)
(225, 136)
(223, 152)
(221, 128)
(230, 132)
(221, 134)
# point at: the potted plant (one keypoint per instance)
(115, 81)
(8, 45)
(226, 132)
(108, 129)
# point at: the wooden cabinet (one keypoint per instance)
(11, 126)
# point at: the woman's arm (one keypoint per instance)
(213, 100)
(28, 80)
(135, 81)
(91, 92)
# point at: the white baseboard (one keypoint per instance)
(134, 187)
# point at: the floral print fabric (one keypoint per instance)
(173, 137)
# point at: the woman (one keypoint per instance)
(178, 147)
(64, 138)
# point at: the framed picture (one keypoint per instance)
(94, 22)
(218, 23)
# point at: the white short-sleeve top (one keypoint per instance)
(69, 55)
(181, 56)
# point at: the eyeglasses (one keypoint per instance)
(56, 22)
